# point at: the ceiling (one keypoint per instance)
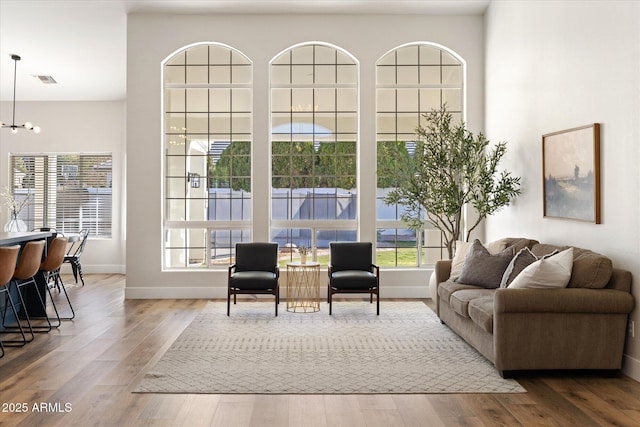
(82, 44)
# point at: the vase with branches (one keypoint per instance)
(303, 251)
(452, 168)
(15, 206)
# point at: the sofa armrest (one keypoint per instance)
(442, 270)
(568, 300)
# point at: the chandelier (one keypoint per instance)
(13, 126)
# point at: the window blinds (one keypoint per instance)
(67, 192)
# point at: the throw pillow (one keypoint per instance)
(548, 272)
(523, 258)
(482, 268)
(462, 249)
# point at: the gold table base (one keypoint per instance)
(303, 287)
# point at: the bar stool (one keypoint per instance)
(50, 267)
(24, 275)
(8, 258)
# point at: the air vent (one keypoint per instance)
(46, 79)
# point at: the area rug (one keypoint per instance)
(404, 350)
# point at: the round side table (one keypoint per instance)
(303, 287)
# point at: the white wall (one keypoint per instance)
(82, 127)
(557, 65)
(151, 38)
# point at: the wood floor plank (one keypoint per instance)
(599, 409)
(343, 410)
(564, 412)
(234, 411)
(94, 362)
(490, 411)
(270, 410)
(416, 410)
(307, 410)
(198, 410)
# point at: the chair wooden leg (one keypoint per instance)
(228, 301)
(378, 302)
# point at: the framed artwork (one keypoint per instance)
(571, 174)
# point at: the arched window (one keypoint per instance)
(410, 80)
(207, 155)
(314, 135)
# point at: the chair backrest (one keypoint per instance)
(351, 256)
(8, 258)
(51, 229)
(55, 254)
(256, 256)
(84, 233)
(30, 259)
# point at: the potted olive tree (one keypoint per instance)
(452, 168)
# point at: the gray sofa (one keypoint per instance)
(582, 326)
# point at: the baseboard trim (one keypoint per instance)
(631, 367)
(185, 292)
(96, 269)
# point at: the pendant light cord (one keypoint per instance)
(15, 71)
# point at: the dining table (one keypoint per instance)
(10, 238)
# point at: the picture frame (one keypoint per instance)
(571, 174)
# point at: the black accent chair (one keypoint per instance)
(351, 271)
(74, 254)
(254, 272)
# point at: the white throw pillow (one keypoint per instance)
(552, 272)
(462, 249)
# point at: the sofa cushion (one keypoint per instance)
(484, 269)
(463, 248)
(547, 272)
(519, 243)
(494, 247)
(446, 289)
(459, 301)
(520, 261)
(481, 312)
(590, 269)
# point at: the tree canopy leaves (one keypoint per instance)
(452, 168)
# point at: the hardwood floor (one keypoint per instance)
(82, 374)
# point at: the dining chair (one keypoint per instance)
(351, 270)
(24, 277)
(75, 252)
(8, 258)
(255, 271)
(50, 269)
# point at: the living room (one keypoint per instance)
(532, 68)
